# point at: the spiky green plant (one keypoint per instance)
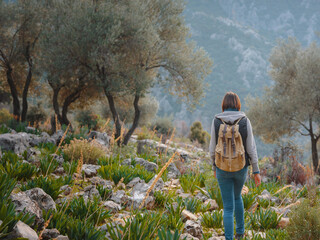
(248, 200)
(264, 219)
(50, 185)
(141, 226)
(168, 235)
(212, 220)
(174, 220)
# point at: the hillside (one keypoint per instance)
(239, 35)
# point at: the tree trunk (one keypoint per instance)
(14, 94)
(135, 120)
(315, 157)
(55, 104)
(70, 99)
(314, 151)
(114, 115)
(25, 94)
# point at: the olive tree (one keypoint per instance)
(292, 104)
(20, 27)
(124, 46)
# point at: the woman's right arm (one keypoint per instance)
(212, 145)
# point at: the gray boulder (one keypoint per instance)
(265, 195)
(193, 229)
(25, 204)
(22, 230)
(138, 193)
(61, 237)
(17, 143)
(50, 234)
(120, 197)
(57, 136)
(44, 200)
(112, 206)
(149, 166)
(187, 236)
(159, 184)
(134, 182)
(90, 170)
(101, 138)
(173, 171)
(90, 192)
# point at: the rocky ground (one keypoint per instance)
(125, 199)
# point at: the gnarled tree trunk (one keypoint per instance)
(14, 94)
(117, 122)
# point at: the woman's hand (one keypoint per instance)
(215, 174)
(257, 179)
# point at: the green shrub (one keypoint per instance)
(174, 220)
(70, 167)
(4, 129)
(193, 205)
(163, 125)
(115, 172)
(248, 200)
(5, 116)
(189, 182)
(89, 151)
(198, 134)
(77, 229)
(213, 219)
(11, 164)
(305, 220)
(161, 198)
(105, 193)
(89, 210)
(264, 219)
(48, 165)
(141, 226)
(50, 186)
(168, 235)
(88, 119)
(275, 234)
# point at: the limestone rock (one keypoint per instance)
(193, 228)
(138, 193)
(101, 138)
(90, 170)
(61, 237)
(189, 215)
(265, 195)
(112, 206)
(22, 230)
(187, 236)
(50, 233)
(120, 197)
(149, 166)
(159, 184)
(24, 204)
(43, 199)
(90, 192)
(66, 189)
(212, 204)
(173, 171)
(17, 143)
(134, 182)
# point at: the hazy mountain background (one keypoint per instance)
(239, 35)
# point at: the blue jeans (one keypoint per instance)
(231, 184)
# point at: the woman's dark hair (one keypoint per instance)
(231, 100)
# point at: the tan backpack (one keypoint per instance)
(230, 153)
